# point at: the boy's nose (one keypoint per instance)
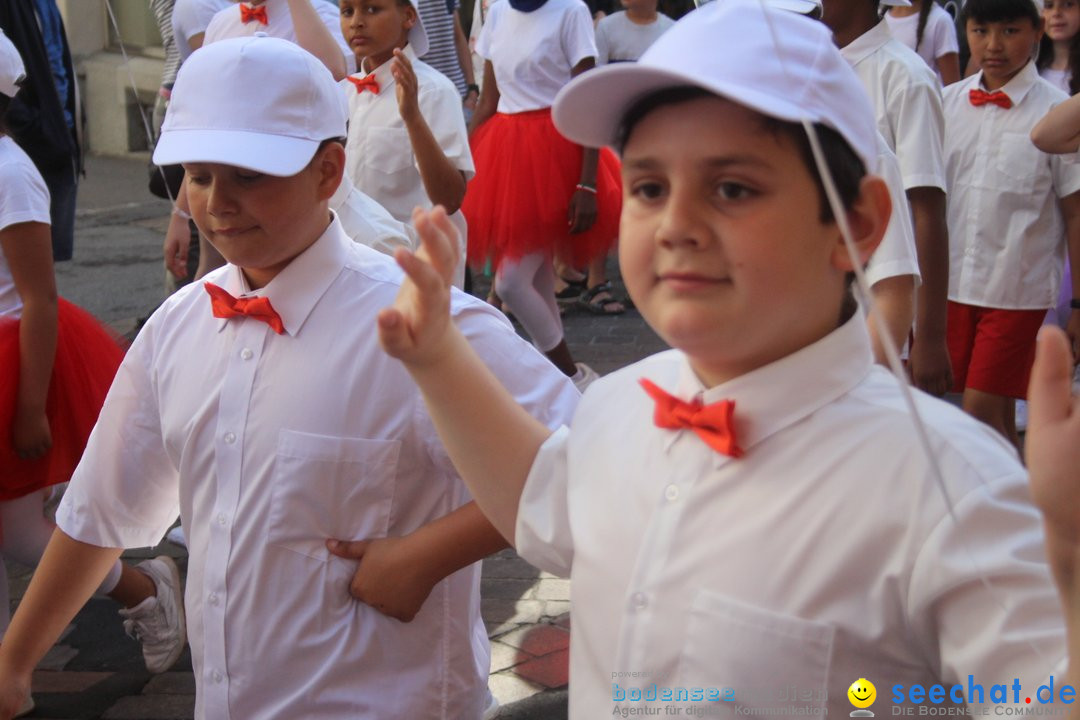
(681, 223)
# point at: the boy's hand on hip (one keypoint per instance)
(389, 577)
(1053, 437)
(407, 88)
(415, 328)
(931, 370)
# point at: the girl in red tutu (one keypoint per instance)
(56, 366)
(535, 194)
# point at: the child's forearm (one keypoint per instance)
(948, 66)
(456, 540)
(492, 446)
(1059, 130)
(444, 183)
(68, 574)
(488, 102)
(37, 353)
(315, 37)
(932, 248)
(894, 304)
(461, 45)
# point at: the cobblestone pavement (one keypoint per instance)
(96, 671)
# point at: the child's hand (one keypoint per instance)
(1053, 437)
(414, 329)
(406, 88)
(582, 212)
(389, 576)
(176, 247)
(31, 435)
(13, 693)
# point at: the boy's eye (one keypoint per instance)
(733, 191)
(248, 176)
(198, 179)
(647, 190)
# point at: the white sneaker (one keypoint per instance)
(584, 377)
(158, 622)
(176, 536)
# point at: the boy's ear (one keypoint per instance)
(329, 164)
(410, 16)
(868, 217)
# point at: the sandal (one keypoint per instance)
(594, 301)
(571, 292)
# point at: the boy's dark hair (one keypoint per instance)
(989, 11)
(844, 165)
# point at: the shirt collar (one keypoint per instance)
(778, 395)
(866, 44)
(298, 287)
(382, 73)
(1018, 87)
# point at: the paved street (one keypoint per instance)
(97, 672)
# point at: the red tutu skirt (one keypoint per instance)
(525, 176)
(87, 356)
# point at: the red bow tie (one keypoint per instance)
(253, 13)
(225, 305)
(368, 82)
(980, 97)
(712, 423)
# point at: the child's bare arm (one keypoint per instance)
(1053, 454)
(930, 367)
(583, 210)
(396, 575)
(444, 183)
(1070, 210)
(949, 67)
(1059, 131)
(493, 450)
(68, 574)
(488, 102)
(28, 250)
(894, 302)
(315, 37)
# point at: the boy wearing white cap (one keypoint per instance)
(749, 515)
(906, 97)
(286, 431)
(407, 145)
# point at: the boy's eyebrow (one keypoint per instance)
(717, 161)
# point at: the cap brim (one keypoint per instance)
(590, 109)
(270, 154)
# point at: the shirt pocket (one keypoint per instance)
(1018, 163)
(330, 487)
(768, 660)
(388, 150)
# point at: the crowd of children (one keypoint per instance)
(762, 505)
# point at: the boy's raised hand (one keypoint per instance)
(406, 86)
(414, 328)
(1053, 437)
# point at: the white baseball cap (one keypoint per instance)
(780, 64)
(418, 38)
(800, 6)
(12, 70)
(258, 102)
(897, 3)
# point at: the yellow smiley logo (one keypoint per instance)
(862, 693)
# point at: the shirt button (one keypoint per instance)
(221, 519)
(247, 354)
(213, 598)
(671, 492)
(217, 676)
(638, 601)
(230, 438)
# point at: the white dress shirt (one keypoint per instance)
(191, 17)
(23, 198)
(825, 554)
(269, 444)
(1006, 231)
(896, 254)
(227, 24)
(378, 153)
(533, 53)
(907, 103)
(369, 223)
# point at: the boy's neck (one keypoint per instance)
(854, 26)
(641, 16)
(996, 82)
(371, 63)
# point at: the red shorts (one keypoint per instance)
(992, 350)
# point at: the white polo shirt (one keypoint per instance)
(378, 153)
(1006, 231)
(191, 17)
(533, 53)
(269, 444)
(825, 554)
(939, 35)
(23, 198)
(907, 103)
(227, 24)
